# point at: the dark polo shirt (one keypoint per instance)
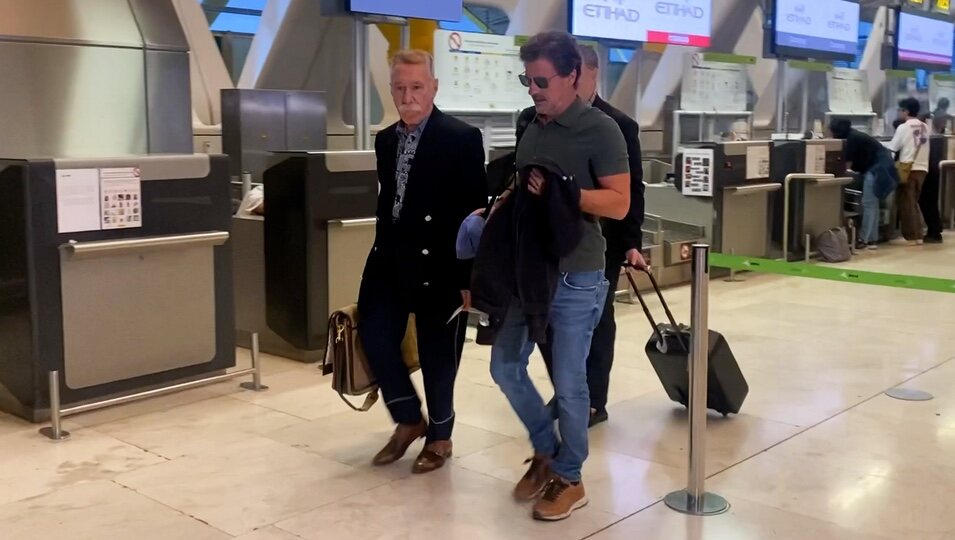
(587, 145)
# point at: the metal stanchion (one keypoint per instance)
(256, 384)
(733, 278)
(694, 499)
(808, 247)
(55, 431)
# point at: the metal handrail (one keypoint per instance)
(85, 249)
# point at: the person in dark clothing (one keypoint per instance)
(624, 238)
(940, 116)
(868, 157)
(431, 175)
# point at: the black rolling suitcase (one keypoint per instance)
(668, 351)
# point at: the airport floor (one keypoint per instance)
(819, 452)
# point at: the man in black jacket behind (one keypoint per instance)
(431, 172)
(624, 237)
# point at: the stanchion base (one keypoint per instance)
(908, 394)
(712, 505)
(251, 386)
(48, 433)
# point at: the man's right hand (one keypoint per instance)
(536, 182)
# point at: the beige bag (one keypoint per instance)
(345, 357)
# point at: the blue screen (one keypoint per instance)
(439, 10)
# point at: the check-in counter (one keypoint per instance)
(812, 175)
(114, 272)
(319, 227)
(721, 195)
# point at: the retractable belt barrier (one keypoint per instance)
(812, 271)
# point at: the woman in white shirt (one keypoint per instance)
(911, 142)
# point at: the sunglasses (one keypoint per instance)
(540, 82)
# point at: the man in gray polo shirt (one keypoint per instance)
(588, 145)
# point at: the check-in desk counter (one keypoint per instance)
(319, 227)
(117, 273)
(724, 188)
(812, 175)
(943, 150)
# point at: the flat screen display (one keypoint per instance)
(924, 42)
(827, 29)
(672, 22)
(438, 10)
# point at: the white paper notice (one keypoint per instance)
(757, 162)
(815, 159)
(121, 197)
(697, 172)
(77, 200)
(713, 86)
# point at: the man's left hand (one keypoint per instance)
(636, 260)
(466, 300)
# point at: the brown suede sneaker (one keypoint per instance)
(560, 499)
(400, 440)
(537, 475)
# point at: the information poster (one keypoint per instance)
(848, 91)
(697, 172)
(98, 199)
(77, 200)
(757, 162)
(120, 191)
(713, 86)
(479, 72)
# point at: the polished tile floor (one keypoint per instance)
(819, 452)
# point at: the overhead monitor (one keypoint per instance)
(438, 10)
(671, 22)
(924, 41)
(820, 30)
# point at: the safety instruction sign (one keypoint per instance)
(697, 167)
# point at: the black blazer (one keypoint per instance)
(415, 260)
(624, 234)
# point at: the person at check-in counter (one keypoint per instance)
(866, 156)
(432, 176)
(911, 141)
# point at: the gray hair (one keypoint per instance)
(589, 56)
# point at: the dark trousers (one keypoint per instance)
(928, 202)
(600, 359)
(439, 349)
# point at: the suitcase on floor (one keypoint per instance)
(668, 351)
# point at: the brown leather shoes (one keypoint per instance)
(533, 481)
(432, 457)
(402, 438)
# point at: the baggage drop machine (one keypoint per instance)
(725, 188)
(812, 176)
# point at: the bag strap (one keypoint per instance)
(646, 308)
(370, 399)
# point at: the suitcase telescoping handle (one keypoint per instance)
(646, 309)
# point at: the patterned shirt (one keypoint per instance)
(407, 146)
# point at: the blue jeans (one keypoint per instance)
(575, 311)
(870, 210)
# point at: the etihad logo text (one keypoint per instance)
(799, 16)
(840, 23)
(674, 9)
(611, 13)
